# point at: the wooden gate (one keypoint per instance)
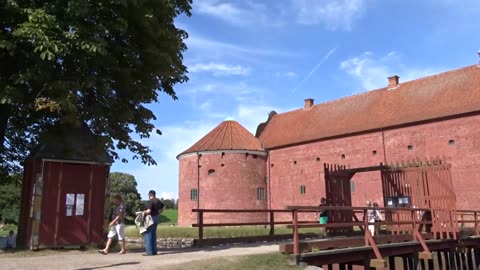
(421, 184)
(338, 193)
(416, 184)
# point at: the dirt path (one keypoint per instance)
(77, 260)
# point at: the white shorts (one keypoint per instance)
(119, 230)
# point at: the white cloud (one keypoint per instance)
(333, 14)
(219, 91)
(196, 42)
(218, 69)
(372, 72)
(238, 13)
(289, 74)
(225, 11)
(168, 195)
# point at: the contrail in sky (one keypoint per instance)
(315, 68)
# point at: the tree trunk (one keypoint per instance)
(5, 113)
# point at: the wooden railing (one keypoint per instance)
(397, 221)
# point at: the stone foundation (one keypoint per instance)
(162, 242)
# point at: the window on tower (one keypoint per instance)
(260, 193)
(194, 194)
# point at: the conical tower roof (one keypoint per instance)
(228, 135)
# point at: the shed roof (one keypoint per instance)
(71, 142)
(446, 94)
(228, 135)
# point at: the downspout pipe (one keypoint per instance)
(198, 179)
(383, 145)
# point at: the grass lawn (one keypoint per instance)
(4, 231)
(275, 261)
(169, 216)
(215, 232)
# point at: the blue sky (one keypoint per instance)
(246, 58)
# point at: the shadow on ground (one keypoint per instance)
(108, 266)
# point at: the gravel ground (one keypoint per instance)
(78, 260)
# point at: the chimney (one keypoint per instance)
(478, 66)
(308, 104)
(393, 82)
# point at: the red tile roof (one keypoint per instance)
(447, 94)
(228, 135)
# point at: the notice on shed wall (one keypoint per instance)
(80, 204)
(69, 210)
(70, 199)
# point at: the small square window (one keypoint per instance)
(451, 142)
(260, 193)
(193, 194)
(302, 190)
(343, 156)
(374, 152)
(410, 147)
(211, 172)
(318, 159)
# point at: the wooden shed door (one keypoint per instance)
(73, 215)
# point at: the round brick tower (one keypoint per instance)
(226, 169)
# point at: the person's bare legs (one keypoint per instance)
(122, 247)
(109, 243)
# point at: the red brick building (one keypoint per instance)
(433, 116)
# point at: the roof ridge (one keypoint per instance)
(376, 90)
(228, 135)
(425, 98)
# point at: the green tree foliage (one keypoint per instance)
(97, 62)
(10, 191)
(169, 203)
(125, 184)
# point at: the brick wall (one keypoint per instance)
(288, 169)
(228, 181)
(295, 166)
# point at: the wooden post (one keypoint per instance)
(391, 263)
(272, 223)
(476, 255)
(441, 255)
(476, 222)
(414, 224)
(423, 264)
(405, 262)
(451, 259)
(458, 260)
(200, 227)
(414, 261)
(469, 261)
(366, 264)
(296, 243)
(431, 265)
